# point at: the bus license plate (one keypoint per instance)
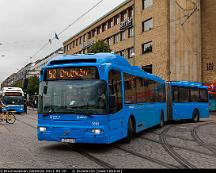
(68, 140)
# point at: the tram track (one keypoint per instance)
(107, 165)
(171, 136)
(194, 134)
(178, 147)
(182, 161)
(89, 156)
(162, 140)
(159, 162)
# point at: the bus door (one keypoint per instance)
(169, 102)
(116, 110)
(181, 107)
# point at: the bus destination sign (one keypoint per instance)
(13, 94)
(73, 73)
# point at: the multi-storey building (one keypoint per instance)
(170, 38)
(10, 81)
(39, 64)
(208, 41)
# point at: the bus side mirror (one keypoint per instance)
(45, 90)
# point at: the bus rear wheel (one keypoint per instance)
(195, 117)
(130, 131)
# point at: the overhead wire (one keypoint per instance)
(61, 32)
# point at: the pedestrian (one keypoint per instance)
(2, 105)
(25, 106)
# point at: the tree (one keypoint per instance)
(98, 47)
(18, 84)
(33, 85)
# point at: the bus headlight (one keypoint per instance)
(42, 129)
(97, 131)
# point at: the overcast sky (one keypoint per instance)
(26, 25)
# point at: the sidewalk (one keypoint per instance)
(212, 113)
(32, 109)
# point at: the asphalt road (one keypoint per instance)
(180, 145)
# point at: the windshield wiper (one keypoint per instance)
(80, 111)
(48, 113)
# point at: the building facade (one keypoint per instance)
(9, 81)
(208, 10)
(170, 38)
(39, 64)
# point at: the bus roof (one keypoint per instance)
(12, 89)
(100, 58)
(187, 84)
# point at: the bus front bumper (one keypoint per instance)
(89, 135)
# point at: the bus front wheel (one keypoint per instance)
(196, 117)
(130, 131)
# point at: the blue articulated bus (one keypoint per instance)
(97, 98)
(13, 98)
(187, 100)
(212, 101)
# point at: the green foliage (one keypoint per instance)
(33, 85)
(98, 47)
(18, 84)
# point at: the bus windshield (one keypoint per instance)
(13, 100)
(73, 97)
(212, 96)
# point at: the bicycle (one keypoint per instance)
(8, 116)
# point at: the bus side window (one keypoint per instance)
(194, 95)
(175, 94)
(203, 95)
(130, 85)
(183, 95)
(115, 91)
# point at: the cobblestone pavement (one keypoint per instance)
(179, 145)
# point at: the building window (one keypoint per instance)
(122, 35)
(93, 32)
(76, 42)
(84, 38)
(124, 16)
(116, 38)
(109, 41)
(130, 32)
(73, 44)
(80, 40)
(130, 12)
(147, 47)
(104, 27)
(130, 53)
(65, 49)
(110, 23)
(89, 35)
(210, 66)
(147, 25)
(116, 20)
(147, 68)
(146, 3)
(98, 30)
